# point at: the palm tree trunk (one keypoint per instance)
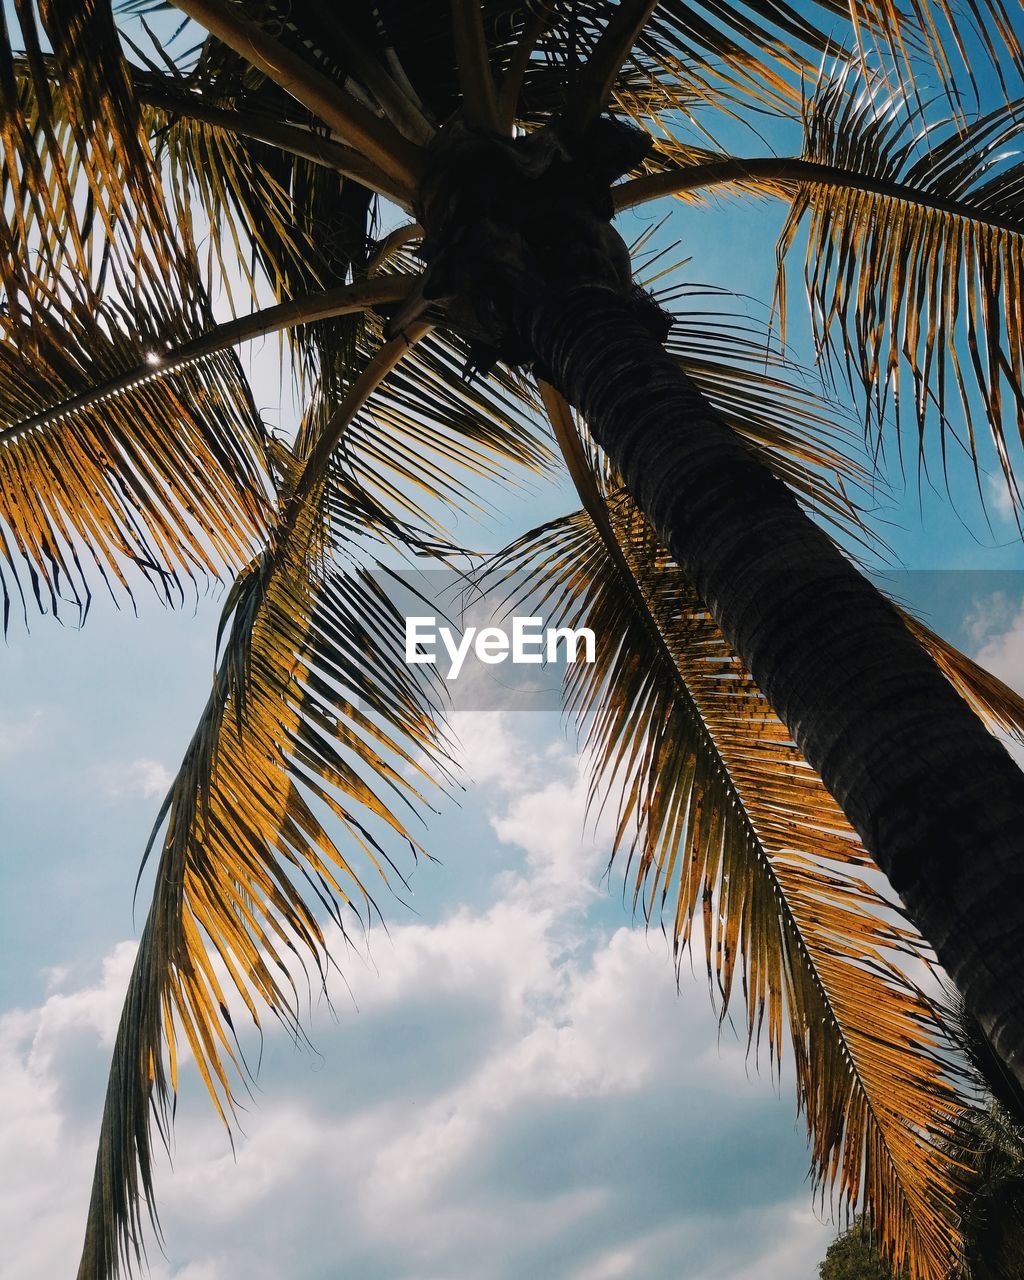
(933, 795)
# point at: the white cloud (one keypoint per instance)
(515, 1094)
(46, 1154)
(495, 749)
(999, 495)
(996, 628)
(145, 779)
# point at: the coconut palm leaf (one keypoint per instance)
(430, 441)
(921, 265)
(72, 125)
(913, 238)
(783, 412)
(311, 735)
(308, 716)
(1001, 707)
(728, 52)
(292, 224)
(717, 810)
(166, 476)
(760, 55)
(730, 833)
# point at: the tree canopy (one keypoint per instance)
(853, 1256)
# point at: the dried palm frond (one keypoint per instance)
(312, 735)
(1001, 707)
(731, 833)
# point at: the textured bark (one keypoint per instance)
(933, 795)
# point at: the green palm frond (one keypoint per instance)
(732, 834)
(917, 259)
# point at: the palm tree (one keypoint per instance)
(766, 720)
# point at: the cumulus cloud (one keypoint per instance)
(513, 1088)
(995, 628)
(143, 779)
(997, 491)
(47, 1125)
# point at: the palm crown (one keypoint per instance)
(509, 132)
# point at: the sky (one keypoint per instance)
(505, 1081)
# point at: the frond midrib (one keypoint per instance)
(755, 840)
(799, 171)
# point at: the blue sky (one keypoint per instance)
(508, 1083)
(510, 1087)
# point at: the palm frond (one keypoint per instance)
(595, 84)
(166, 478)
(730, 831)
(948, 40)
(1001, 707)
(763, 54)
(476, 78)
(99, 461)
(919, 275)
(73, 128)
(312, 737)
(781, 411)
(254, 40)
(432, 442)
(273, 219)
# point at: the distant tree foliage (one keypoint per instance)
(853, 1256)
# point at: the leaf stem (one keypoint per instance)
(378, 140)
(790, 171)
(602, 68)
(285, 315)
(293, 138)
(475, 77)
